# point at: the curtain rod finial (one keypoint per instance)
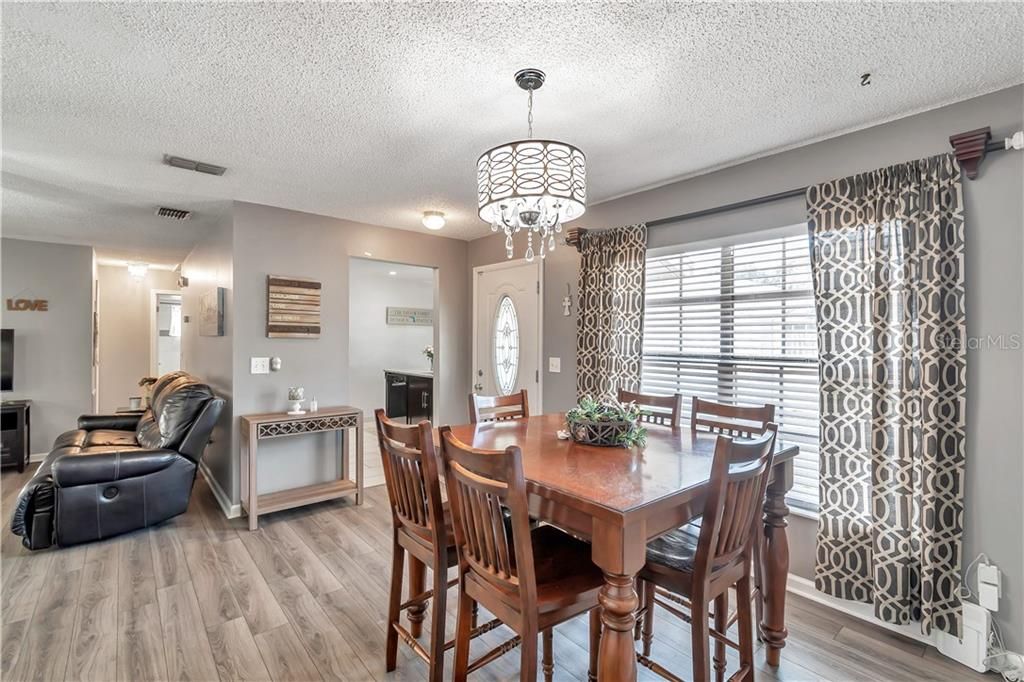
(969, 149)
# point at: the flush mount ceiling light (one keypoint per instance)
(433, 220)
(138, 270)
(531, 185)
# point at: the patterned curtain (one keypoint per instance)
(887, 252)
(610, 327)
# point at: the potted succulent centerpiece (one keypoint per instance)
(607, 423)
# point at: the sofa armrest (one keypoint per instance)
(127, 421)
(72, 470)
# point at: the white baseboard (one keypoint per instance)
(37, 457)
(805, 588)
(231, 511)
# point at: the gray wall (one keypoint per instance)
(208, 266)
(276, 241)
(994, 516)
(124, 341)
(52, 349)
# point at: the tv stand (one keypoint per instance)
(15, 433)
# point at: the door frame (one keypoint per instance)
(154, 303)
(504, 265)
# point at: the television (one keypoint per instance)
(6, 359)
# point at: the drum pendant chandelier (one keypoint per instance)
(530, 185)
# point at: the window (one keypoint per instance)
(506, 345)
(735, 324)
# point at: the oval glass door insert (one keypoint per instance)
(506, 345)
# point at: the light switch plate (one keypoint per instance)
(259, 365)
(554, 365)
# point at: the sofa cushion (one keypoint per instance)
(164, 381)
(110, 437)
(174, 408)
(73, 438)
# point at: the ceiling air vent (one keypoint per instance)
(197, 166)
(173, 213)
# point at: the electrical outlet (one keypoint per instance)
(554, 365)
(259, 365)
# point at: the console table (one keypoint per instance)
(259, 427)
(16, 440)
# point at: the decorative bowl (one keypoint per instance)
(603, 433)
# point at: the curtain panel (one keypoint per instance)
(887, 254)
(610, 325)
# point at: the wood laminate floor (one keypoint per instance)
(303, 598)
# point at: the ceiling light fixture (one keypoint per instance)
(433, 220)
(531, 185)
(392, 273)
(137, 271)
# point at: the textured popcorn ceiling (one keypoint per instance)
(377, 112)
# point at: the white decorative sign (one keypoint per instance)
(418, 317)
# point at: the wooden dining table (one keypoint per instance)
(621, 498)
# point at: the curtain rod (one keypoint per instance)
(969, 149)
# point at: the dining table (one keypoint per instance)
(621, 498)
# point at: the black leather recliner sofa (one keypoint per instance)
(117, 473)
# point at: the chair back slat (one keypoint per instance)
(490, 408)
(487, 492)
(730, 420)
(411, 475)
(663, 410)
(739, 479)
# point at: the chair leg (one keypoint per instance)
(528, 656)
(758, 582)
(438, 614)
(549, 654)
(394, 602)
(648, 624)
(721, 625)
(595, 642)
(462, 629)
(746, 629)
(699, 637)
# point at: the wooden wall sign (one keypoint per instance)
(35, 305)
(211, 313)
(293, 308)
(417, 317)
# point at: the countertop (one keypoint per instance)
(424, 373)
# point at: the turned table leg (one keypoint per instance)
(417, 584)
(618, 616)
(775, 557)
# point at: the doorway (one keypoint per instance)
(165, 332)
(507, 329)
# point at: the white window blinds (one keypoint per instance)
(735, 324)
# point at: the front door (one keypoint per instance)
(507, 326)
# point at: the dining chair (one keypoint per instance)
(422, 527)
(730, 420)
(490, 408)
(664, 410)
(744, 422)
(531, 579)
(696, 565)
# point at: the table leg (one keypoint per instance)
(775, 556)
(417, 584)
(359, 460)
(617, 658)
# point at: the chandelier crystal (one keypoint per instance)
(530, 185)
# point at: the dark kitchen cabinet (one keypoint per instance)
(409, 394)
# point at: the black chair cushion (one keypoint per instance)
(71, 439)
(172, 412)
(675, 549)
(110, 437)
